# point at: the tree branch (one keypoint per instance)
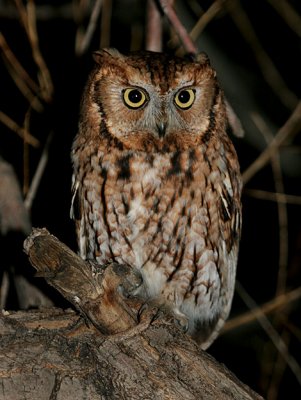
(152, 363)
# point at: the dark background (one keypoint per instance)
(248, 349)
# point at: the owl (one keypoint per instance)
(156, 182)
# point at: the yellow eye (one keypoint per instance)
(134, 98)
(185, 98)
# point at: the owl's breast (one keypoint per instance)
(128, 198)
(135, 204)
(157, 213)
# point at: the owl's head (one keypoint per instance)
(152, 101)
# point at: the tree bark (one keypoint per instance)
(101, 352)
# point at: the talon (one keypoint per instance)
(149, 311)
(131, 284)
(182, 322)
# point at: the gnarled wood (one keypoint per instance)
(54, 354)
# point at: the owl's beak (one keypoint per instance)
(161, 126)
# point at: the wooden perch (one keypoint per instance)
(95, 291)
(52, 354)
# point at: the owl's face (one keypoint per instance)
(152, 101)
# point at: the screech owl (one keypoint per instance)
(156, 182)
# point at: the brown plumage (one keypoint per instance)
(156, 182)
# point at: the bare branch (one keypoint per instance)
(99, 292)
(44, 74)
(153, 27)
(287, 131)
(288, 13)
(28, 19)
(270, 331)
(25, 135)
(282, 210)
(278, 302)
(38, 174)
(205, 18)
(280, 197)
(21, 78)
(94, 290)
(269, 71)
(83, 40)
(172, 17)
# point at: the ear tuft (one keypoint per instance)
(202, 59)
(102, 55)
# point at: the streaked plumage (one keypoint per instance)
(156, 182)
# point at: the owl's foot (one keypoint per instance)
(154, 310)
(132, 281)
(148, 314)
(181, 320)
(129, 333)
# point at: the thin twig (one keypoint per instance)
(287, 131)
(272, 306)
(270, 331)
(203, 21)
(270, 196)
(14, 62)
(12, 125)
(278, 370)
(84, 40)
(22, 80)
(293, 329)
(288, 13)
(32, 99)
(153, 40)
(282, 210)
(28, 19)
(22, 15)
(26, 153)
(205, 18)
(268, 69)
(44, 74)
(38, 174)
(172, 17)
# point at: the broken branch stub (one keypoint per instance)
(98, 292)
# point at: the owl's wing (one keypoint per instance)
(230, 210)
(78, 216)
(75, 212)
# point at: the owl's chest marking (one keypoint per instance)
(159, 214)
